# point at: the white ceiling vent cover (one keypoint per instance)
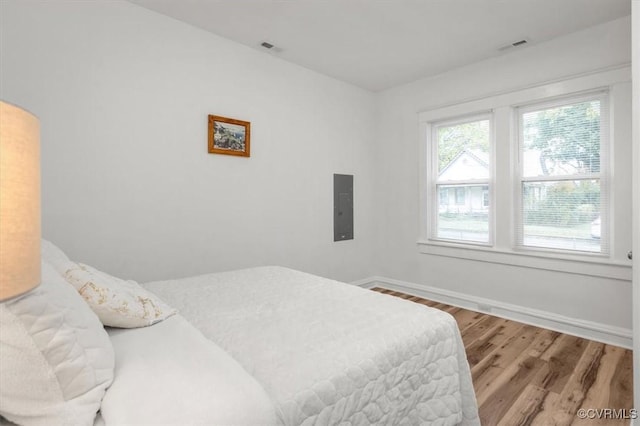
(518, 43)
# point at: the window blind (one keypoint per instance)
(563, 189)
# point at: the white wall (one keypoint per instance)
(636, 204)
(592, 299)
(128, 186)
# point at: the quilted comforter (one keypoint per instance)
(328, 353)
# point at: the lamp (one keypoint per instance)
(19, 201)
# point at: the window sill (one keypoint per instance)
(590, 265)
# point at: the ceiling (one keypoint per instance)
(377, 44)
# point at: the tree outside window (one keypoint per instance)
(560, 175)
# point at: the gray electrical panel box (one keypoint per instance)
(342, 207)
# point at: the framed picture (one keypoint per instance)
(229, 136)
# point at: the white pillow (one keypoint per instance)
(117, 303)
(170, 374)
(56, 360)
(55, 257)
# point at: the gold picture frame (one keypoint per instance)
(229, 136)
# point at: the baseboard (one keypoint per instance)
(591, 330)
(366, 282)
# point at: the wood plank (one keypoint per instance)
(486, 373)
(381, 290)
(599, 396)
(622, 383)
(547, 339)
(486, 343)
(471, 333)
(512, 383)
(452, 310)
(581, 379)
(466, 318)
(561, 358)
(526, 408)
(504, 363)
(544, 416)
(429, 303)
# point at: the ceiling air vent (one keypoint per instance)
(514, 44)
(270, 47)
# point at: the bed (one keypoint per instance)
(275, 346)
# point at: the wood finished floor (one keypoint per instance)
(525, 375)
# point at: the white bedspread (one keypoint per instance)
(170, 374)
(331, 353)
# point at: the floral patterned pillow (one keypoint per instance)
(118, 303)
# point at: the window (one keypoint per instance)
(460, 192)
(444, 197)
(462, 149)
(526, 178)
(562, 196)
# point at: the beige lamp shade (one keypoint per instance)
(19, 201)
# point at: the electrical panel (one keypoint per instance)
(342, 207)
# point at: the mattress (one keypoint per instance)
(330, 353)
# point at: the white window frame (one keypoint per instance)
(433, 171)
(615, 265)
(603, 176)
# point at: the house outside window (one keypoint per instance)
(463, 168)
